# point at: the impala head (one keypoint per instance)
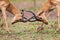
(42, 20)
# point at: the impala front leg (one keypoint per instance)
(58, 14)
(5, 17)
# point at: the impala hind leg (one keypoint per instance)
(5, 17)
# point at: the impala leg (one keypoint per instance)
(5, 17)
(58, 14)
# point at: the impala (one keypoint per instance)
(6, 5)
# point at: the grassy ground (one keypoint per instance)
(28, 30)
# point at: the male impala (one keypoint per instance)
(6, 5)
(47, 6)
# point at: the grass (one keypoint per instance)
(27, 31)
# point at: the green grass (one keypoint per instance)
(27, 31)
